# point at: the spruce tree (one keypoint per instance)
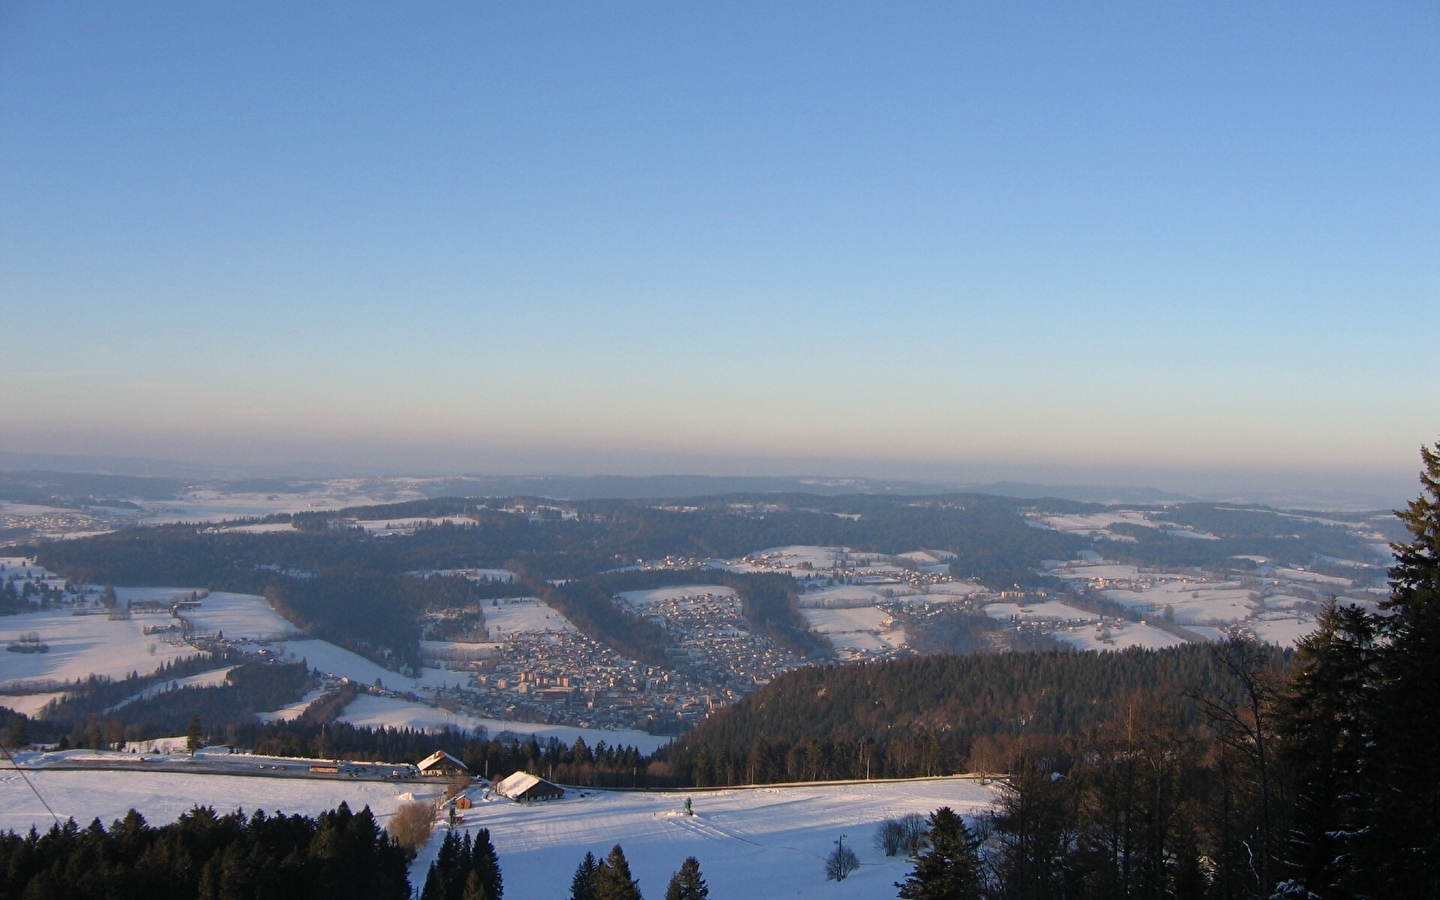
(475, 888)
(582, 885)
(1325, 727)
(486, 864)
(1407, 715)
(613, 880)
(949, 867)
(687, 884)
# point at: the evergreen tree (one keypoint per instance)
(434, 884)
(949, 868)
(449, 866)
(193, 734)
(613, 880)
(486, 864)
(582, 885)
(474, 887)
(687, 884)
(1325, 728)
(1407, 715)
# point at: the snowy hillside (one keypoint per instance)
(752, 842)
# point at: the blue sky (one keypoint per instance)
(932, 240)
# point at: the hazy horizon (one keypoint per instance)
(1317, 489)
(1190, 249)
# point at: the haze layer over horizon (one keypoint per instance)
(934, 242)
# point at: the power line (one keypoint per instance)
(29, 782)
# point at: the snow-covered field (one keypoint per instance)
(842, 596)
(522, 615)
(647, 600)
(754, 842)
(1049, 609)
(213, 678)
(1092, 524)
(293, 711)
(239, 615)
(396, 713)
(1107, 571)
(262, 528)
(1279, 628)
(952, 588)
(162, 796)
(858, 629)
(29, 704)
(1208, 603)
(386, 527)
(1118, 637)
(81, 645)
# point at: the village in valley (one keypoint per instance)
(516, 664)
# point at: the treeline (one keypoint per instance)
(934, 715)
(600, 765)
(339, 854)
(249, 688)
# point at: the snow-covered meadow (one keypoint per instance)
(373, 711)
(162, 796)
(751, 842)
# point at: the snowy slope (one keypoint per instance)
(162, 796)
(756, 842)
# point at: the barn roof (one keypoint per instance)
(524, 786)
(437, 758)
(516, 784)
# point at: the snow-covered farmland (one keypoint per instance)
(1279, 628)
(396, 713)
(522, 615)
(752, 842)
(864, 629)
(1049, 609)
(844, 596)
(213, 678)
(162, 796)
(1092, 524)
(387, 527)
(645, 601)
(82, 645)
(948, 590)
(262, 528)
(1202, 603)
(292, 711)
(239, 615)
(29, 704)
(1118, 636)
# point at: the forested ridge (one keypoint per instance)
(936, 714)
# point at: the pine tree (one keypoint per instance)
(613, 880)
(687, 884)
(582, 885)
(949, 868)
